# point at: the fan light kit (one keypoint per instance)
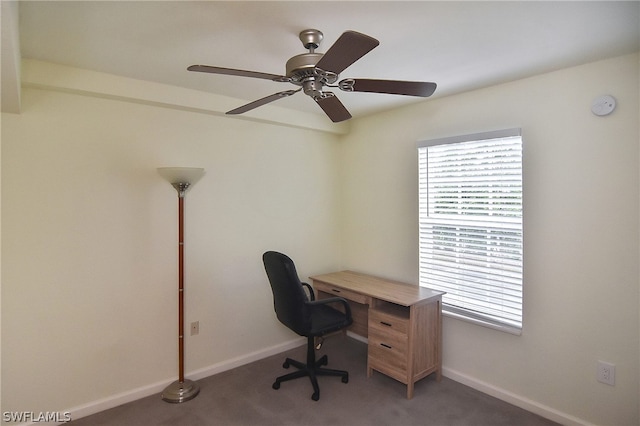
(313, 71)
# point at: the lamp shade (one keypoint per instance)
(181, 174)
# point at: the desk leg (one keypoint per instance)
(410, 389)
(439, 343)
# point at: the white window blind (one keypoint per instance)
(471, 239)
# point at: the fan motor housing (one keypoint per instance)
(302, 71)
(303, 62)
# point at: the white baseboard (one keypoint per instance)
(156, 388)
(245, 359)
(97, 406)
(514, 399)
(358, 337)
(503, 395)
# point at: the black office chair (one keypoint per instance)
(305, 316)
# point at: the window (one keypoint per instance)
(471, 245)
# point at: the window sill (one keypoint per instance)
(484, 323)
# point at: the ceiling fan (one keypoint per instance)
(314, 71)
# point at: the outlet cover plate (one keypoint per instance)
(606, 373)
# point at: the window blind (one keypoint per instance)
(470, 231)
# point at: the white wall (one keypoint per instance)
(581, 195)
(89, 243)
(89, 238)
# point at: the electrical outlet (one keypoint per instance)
(606, 373)
(195, 328)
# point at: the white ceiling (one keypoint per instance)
(459, 45)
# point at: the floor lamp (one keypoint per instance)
(181, 178)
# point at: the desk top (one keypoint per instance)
(380, 288)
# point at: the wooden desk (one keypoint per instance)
(403, 323)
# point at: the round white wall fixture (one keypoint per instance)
(603, 105)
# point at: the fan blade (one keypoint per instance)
(240, 73)
(263, 101)
(349, 47)
(332, 106)
(393, 87)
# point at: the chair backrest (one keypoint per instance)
(289, 297)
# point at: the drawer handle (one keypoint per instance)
(335, 290)
(385, 323)
(386, 346)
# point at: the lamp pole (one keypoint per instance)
(181, 178)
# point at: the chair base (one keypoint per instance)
(311, 369)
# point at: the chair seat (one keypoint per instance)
(325, 319)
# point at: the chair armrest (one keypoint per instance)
(343, 301)
(312, 295)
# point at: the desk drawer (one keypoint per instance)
(388, 350)
(384, 322)
(388, 343)
(340, 292)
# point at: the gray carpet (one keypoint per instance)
(243, 396)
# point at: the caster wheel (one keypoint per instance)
(345, 379)
(315, 396)
(276, 385)
(285, 365)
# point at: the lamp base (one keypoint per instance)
(178, 392)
